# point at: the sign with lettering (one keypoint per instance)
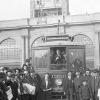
(58, 37)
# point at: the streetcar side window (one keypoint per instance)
(41, 58)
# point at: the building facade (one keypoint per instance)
(45, 8)
(17, 36)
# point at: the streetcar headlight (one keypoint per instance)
(58, 82)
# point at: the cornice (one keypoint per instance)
(49, 25)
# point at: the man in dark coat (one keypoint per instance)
(30, 80)
(70, 89)
(24, 90)
(3, 87)
(95, 83)
(14, 86)
(85, 91)
(47, 86)
(77, 84)
(39, 95)
(88, 77)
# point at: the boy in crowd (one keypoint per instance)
(85, 91)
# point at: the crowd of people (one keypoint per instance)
(84, 86)
(11, 83)
(26, 84)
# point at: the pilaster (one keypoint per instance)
(99, 47)
(23, 49)
(96, 51)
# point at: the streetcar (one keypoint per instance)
(57, 55)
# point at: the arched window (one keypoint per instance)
(9, 52)
(89, 48)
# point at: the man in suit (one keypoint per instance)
(47, 86)
(39, 95)
(70, 89)
(88, 77)
(95, 83)
(85, 91)
(3, 87)
(77, 84)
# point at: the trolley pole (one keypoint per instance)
(28, 38)
(58, 25)
(64, 24)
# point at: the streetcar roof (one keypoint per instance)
(55, 43)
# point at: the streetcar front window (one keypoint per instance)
(58, 58)
(58, 55)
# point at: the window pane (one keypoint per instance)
(89, 49)
(9, 50)
(58, 55)
(41, 58)
(58, 58)
(48, 12)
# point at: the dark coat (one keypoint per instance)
(39, 92)
(38, 81)
(95, 82)
(77, 83)
(69, 89)
(85, 93)
(14, 88)
(88, 78)
(3, 89)
(47, 92)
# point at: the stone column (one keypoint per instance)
(96, 51)
(99, 47)
(28, 39)
(32, 8)
(65, 7)
(26, 47)
(23, 49)
(28, 44)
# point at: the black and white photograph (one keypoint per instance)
(49, 49)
